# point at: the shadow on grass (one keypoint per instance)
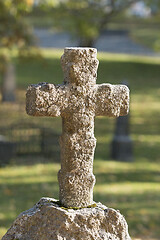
(142, 77)
(142, 150)
(47, 70)
(145, 74)
(128, 176)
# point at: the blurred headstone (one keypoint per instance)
(7, 150)
(122, 145)
(9, 83)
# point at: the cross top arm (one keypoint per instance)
(45, 99)
(112, 100)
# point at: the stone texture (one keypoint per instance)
(47, 221)
(78, 101)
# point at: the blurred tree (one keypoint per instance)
(14, 34)
(84, 19)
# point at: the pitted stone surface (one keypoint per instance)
(46, 220)
(78, 101)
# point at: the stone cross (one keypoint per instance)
(78, 101)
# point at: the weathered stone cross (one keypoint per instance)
(78, 100)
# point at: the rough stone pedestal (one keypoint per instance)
(48, 221)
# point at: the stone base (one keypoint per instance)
(47, 220)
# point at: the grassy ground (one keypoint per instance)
(131, 187)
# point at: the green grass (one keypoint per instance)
(133, 188)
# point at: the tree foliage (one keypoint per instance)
(84, 19)
(14, 31)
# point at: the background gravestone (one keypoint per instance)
(7, 150)
(122, 145)
(9, 83)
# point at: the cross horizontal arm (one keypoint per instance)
(112, 100)
(45, 99)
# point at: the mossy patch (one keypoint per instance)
(74, 208)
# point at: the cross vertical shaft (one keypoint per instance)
(76, 177)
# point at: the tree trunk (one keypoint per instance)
(84, 42)
(8, 83)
